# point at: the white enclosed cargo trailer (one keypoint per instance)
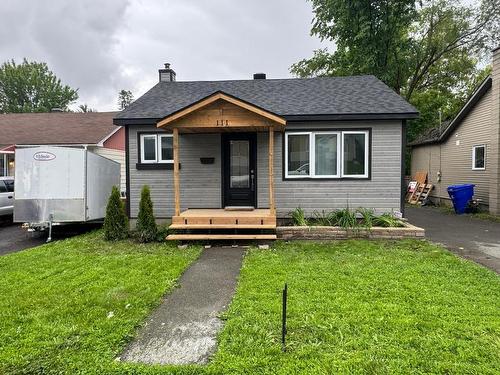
(58, 185)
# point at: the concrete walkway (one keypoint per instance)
(184, 328)
(474, 239)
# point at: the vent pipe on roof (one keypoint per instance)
(166, 74)
(259, 76)
(56, 110)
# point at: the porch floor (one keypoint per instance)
(220, 219)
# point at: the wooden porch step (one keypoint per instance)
(196, 237)
(236, 221)
(222, 226)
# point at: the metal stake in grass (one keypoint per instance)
(283, 317)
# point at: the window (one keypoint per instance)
(166, 148)
(479, 158)
(326, 158)
(355, 155)
(156, 148)
(327, 154)
(298, 154)
(10, 185)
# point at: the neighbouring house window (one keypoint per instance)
(156, 148)
(6, 164)
(3, 170)
(327, 154)
(10, 164)
(479, 157)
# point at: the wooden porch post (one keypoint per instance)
(272, 207)
(176, 172)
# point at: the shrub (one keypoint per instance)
(163, 232)
(299, 217)
(367, 217)
(346, 218)
(115, 222)
(146, 225)
(324, 218)
(387, 220)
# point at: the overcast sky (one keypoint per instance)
(103, 46)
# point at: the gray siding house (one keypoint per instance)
(467, 149)
(253, 150)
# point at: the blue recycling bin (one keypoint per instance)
(461, 195)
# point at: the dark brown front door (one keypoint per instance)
(239, 156)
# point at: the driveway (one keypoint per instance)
(14, 238)
(474, 239)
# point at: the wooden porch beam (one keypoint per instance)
(272, 207)
(176, 172)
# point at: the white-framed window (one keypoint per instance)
(355, 152)
(479, 158)
(156, 148)
(327, 154)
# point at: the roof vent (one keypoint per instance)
(259, 76)
(56, 110)
(167, 74)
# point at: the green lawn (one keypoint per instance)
(354, 307)
(72, 305)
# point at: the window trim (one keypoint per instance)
(157, 137)
(367, 151)
(340, 150)
(474, 168)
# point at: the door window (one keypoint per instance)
(239, 164)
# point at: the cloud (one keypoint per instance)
(102, 47)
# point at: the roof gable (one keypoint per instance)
(221, 110)
(435, 135)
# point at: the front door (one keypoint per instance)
(239, 155)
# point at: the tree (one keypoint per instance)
(125, 97)
(147, 230)
(419, 48)
(32, 87)
(86, 109)
(115, 222)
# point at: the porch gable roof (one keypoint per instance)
(221, 111)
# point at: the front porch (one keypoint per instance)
(238, 122)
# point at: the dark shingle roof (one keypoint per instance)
(358, 95)
(55, 128)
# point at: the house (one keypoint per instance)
(241, 154)
(466, 150)
(94, 131)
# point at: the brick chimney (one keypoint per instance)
(166, 74)
(494, 157)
